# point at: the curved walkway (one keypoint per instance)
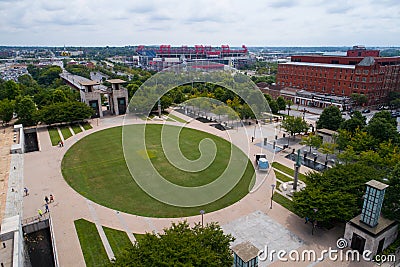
(43, 177)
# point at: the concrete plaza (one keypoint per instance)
(277, 226)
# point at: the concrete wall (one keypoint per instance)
(371, 243)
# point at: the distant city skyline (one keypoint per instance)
(253, 23)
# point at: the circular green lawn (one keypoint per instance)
(95, 167)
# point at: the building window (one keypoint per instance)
(366, 72)
(364, 79)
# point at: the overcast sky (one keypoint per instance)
(209, 22)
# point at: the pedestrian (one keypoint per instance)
(59, 143)
(26, 191)
(252, 139)
(62, 143)
(40, 212)
(46, 199)
(51, 198)
(46, 208)
(307, 219)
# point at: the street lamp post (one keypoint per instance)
(202, 217)
(313, 222)
(272, 196)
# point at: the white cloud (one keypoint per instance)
(258, 22)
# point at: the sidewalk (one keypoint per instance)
(43, 177)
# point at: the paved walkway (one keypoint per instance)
(43, 177)
(5, 159)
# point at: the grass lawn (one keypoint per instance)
(54, 136)
(65, 132)
(76, 128)
(288, 170)
(283, 201)
(278, 184)
(95, 167)
(282, 177)
(86, 126)
(176, 118)
(91, 245)
(118, 240)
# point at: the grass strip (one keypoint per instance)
(288, 171)
(282, 177)
(86, 126)
(76, 128)
(118, 240)
(91, 245)
(283, 201)
(177, 118)
(65, 132)
(54, 136)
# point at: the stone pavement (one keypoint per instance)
(43, 177)
(5, 158)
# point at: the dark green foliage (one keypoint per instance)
(336, 193)
(181, 245)
(391, 204)
(357, 121)
(331, 118)
(7, 108)
(26, 111)
(65, 112)
(294, 125)
(79, 70)
(281, 103)
(9, 90)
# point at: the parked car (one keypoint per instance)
(366, 111)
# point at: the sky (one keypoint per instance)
(207, 22)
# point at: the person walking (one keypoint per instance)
(26, 191)
(46, 208)
(51, 198)
(40, 212)
(46, 199)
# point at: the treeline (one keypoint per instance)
(40, 97)
(364, 151)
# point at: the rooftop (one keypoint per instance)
(116, 81)
(246, 251)
(88, 83)
(383, 223)
(376, 184)
(324, 65)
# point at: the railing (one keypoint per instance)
(53, 242)
(34, 219)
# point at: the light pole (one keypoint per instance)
(202, 217)
(314, 221)
(272, 196)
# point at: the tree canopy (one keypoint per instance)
(180, 245)
(331, 118)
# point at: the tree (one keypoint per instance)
(289, 103)
(359, 99)
(180, 245)
(9, 90)
(391, 203)
(26, 111)
(331, 118)
(383, 127)
(327, 149)
(6, 110)
(65, 112)
(273, 106)
(294, 125)
(281, 103)
(336, 193)
(357, 121)
(312, 140)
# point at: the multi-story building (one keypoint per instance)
(359, 71)
(164, 56)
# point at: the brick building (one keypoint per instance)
(359, 71)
